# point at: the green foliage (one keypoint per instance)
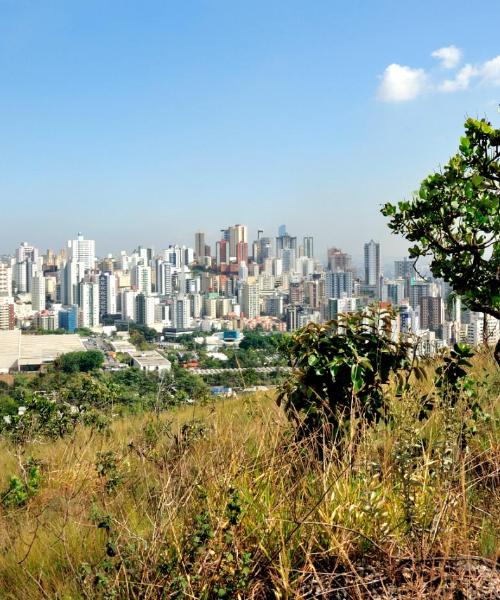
(340, 369)
(85, 361)
(107, 468)
(21, 489)
(455, 218)
(260, 341)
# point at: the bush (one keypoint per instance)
(84, 361)
(340, 369)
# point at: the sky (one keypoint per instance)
(143, 122)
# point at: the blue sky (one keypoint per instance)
(141, 122)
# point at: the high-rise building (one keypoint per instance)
(338, 260)
(237, 234)
(26, 252)
(265, 249)
(128, 305)
(340, 306)
(288, 256)
(372, 263)
(7, 315)
(420, 288)
(145, 309)
(163, 278)
(394, 291)
(221, 252)
(296, 293)
(405, 269)
(339, 284)
(285, 242)
(38, 292)
(82, 251)
(22, 275)
(89, 304)
(309, 246)
(5, 280)
(68, 318)
(181, 312)
(141, 279)
(431, 313)
(107, 294)
(314, 292)
(71, 276)
(250, 300)
(199, 245)
(241, 252)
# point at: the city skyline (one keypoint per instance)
(128, 123)
(322, 257)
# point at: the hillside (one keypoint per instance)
(220, 501)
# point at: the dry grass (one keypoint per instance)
(233, 506)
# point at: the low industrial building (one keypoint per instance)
(23, 352)
(149, 360)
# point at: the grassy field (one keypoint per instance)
(219, 501)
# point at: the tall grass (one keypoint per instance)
(221, 501)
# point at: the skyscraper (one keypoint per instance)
(199, 245)
(163, 278)
(309, 246)
(338, 260)
(285, 242)
(38, 292)
(339, 284)
(89, 304)
(237, 234)
(82, 251)
(372, 263)
(5, 280)
(26, 252)
(250, 300)
(107, 294)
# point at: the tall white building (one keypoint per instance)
(163, 278)
(128, 304)
(372, 263)
(5, 280)
(26, 252)
(38, 292)
(141, 279)
(89, 304)
(82, 251)
(70, 278)
(237, 234)
(250, 300)
(181, 311)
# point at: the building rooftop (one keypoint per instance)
(149, 359)
(18, 350)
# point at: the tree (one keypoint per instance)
(455, 219)
(73, 362)
(339, 372)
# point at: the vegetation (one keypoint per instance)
(455, 218)
(223, 500)
(340, 371)
(82, 361)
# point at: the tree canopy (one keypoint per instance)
(455, 219)
(84, 361)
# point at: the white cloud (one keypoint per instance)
(490, 71)
(401, 83)
(450, 56)
(462, 80)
